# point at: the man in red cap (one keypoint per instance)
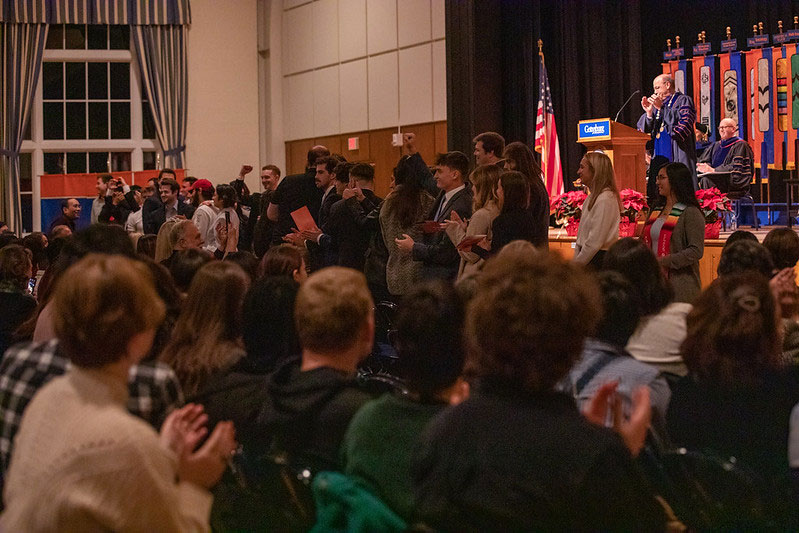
(202, 194)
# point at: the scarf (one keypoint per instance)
(664, 238)
(660, 132)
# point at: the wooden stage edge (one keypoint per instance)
(564, 245)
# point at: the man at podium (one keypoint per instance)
(669, 118)
(728, 164)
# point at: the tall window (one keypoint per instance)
(89, 113)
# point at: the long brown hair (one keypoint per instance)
(484, 178)
(207, 336)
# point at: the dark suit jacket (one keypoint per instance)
(327, 204)
(294, 192)
(63, 221)
(347, 231)
(440, 257)
(516, 224)
(156, 218)
(118, 214)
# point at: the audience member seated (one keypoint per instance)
(184, 235)
(401, 215)
(379, 443)
(247, 261)
(514, 222)
(207, 336)
(16, 303)
(163, 243)
(519, 157)
(604, 358)
(37, 243)
(516, 455)
(745, 255)
(485, 209)
(97, 238)
(312, 400)
(662, 327)
(738, 396)
(284, 260)
(145, 246)
(740, 235)
(783, 244)
(81, 462)
(185, 265)
(436, 252)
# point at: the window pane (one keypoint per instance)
(76, 162)
(98, 120)
(54, 163)
(25, 174)
(55, 37)
(119, 37)
(75, 80)
(75, 36)
(76, 120)
(98, 81)
(98, 161)
(53, 120)
(120, 81)
(120, 120)
(120, 161)
(97, 36)
(148, 160)
(147, 122)
(26, 201)
(52, 80)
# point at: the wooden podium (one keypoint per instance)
(625, 146)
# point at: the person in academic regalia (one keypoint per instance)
(669, 117)
(731, 154)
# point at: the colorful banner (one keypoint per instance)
(704, 76)
(760, 106)
(733, 90)
(678, 69)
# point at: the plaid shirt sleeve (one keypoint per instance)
(25, 368)
(154, 392)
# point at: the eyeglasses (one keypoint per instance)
(726, 127)
(661, 178)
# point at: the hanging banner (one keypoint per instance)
(677, 69)
(784, 132)
(790, 56)
(704, 74)
(733, 91)
(755, 135)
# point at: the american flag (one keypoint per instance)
(546, 135)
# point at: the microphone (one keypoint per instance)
(616, 119)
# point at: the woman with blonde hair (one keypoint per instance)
(599, 224)
(484, 210)
(207, 336)
(163, 244)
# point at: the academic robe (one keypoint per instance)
(672, 129)
(734, 156)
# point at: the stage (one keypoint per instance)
(564, 244)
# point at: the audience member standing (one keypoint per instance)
(676, 231)
(99, 201)
(263, 229)
(599, 225)
(225, 205)
(16, 303)
(483, 180)
(514, 222)
(81, 462)
(436, 251)
(488, 148)
(70, 213)
(171, 207)
(294, 192)
(204, 216)
(135, 223)
(402, 214)
(519, 157)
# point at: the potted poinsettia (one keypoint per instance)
(714, 205)
(633, 202)
(568, 208)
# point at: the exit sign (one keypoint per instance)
(352, 143)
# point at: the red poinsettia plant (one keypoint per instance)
(713, 203)
(568, 207)
(633, 202)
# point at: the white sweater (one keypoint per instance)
(599, 226)
(82, 463)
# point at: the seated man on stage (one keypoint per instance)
(669, 117)
(731, 159)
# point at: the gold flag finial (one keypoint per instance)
(754, 29)
(677, 38)
(779, 25)
(795, 22)
(699, 37)
(704, 36)
(729, 33)
(668, 44)
(540, 47)
(760, 28)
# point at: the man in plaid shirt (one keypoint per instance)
(26, 367)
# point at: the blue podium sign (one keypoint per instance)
(593, 130)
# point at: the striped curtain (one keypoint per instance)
(22, 46)
(133, 12)
(161, 52)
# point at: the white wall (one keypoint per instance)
(353, 65)
(223, 113)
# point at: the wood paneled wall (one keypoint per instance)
(374, 148)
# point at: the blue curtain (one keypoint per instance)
(161, 53)
(21, 47)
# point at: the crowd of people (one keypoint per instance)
(206, 356)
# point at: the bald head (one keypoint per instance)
(317, 152)
(663, 85)
(727, 129)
